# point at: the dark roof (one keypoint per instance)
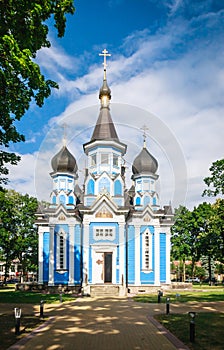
(64, 161)
(144, 163)
(104, 128)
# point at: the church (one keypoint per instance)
(100, 236)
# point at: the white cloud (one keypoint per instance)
(181, 97)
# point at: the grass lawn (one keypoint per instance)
(213, 294)
(28, 322)
(208, 329)
(208, 326)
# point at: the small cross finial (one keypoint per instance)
(144, 128)
(64, 126)
(105, 54)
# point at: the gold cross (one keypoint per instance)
(105, 54)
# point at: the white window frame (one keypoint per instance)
(61, 235)
(93, 159)
(105, 158)
(147, 250)
(104, 233)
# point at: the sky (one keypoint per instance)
(166, 73)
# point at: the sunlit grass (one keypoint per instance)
(183, 296)
(208, 329)
(11, 296)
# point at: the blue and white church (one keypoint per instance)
(101, 236)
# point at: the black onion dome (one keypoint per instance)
(144, 163)
(64, 161)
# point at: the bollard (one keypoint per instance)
(167, 306)
(160, 294)
(42, 308)
(192, 326)
(17, 318)
(61, 297)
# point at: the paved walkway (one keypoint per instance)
(106, 324)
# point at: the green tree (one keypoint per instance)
(206, 233)
(18, 234)
(218, 227)
(182, 237)
(23, 31)
(215, 182)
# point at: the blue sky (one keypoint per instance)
(166, 71)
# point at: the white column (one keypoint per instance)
(85, 252)
(168, 256)
(51, 257)
(71, 255)
(137, 256)
(41, 231)
(157, 256)
(122, 251)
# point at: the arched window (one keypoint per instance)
(54, 200)
(90, 187)
(70, 200)
(117, 188)
(154, 200)
(138, 201)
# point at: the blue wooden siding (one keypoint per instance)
(77, 254)
(118, 266)
(131, 254)
(46, 247)
(162, 239)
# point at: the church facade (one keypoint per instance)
(104, 235)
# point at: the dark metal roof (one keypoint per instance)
(144, 163)
(104, 128)
(64, 161)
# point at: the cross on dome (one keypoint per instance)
(144, 128)
(64, 126)
(105, 54)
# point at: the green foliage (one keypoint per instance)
(23, 31)
(18, 234)
(216, 181)
(199, 233)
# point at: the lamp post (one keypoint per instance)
(167, 306)
(192, 315)
(42, 308)
(17, 319)
(160, 294)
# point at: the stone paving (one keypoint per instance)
(107, 323)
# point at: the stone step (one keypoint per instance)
(104, 290)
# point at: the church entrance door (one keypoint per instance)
(107, 267)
